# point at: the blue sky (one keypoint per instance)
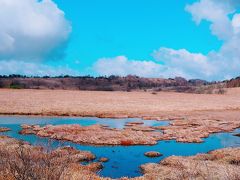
(133, 28)
(149, 38)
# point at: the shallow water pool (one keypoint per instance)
(123, 161)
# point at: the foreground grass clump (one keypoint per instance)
(21, 161)
(220, 164)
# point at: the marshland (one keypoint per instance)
(127, 89)
(121, 128)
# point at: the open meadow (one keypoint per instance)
(114, 104)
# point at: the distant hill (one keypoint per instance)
(111, 83)
(233, 83)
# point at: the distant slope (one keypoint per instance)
(233, 83)
(112, 83)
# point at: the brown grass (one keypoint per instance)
(21, 161)
(126, 143)
(94, 135)
(214, 165)
(113, 104)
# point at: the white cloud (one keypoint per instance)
(227, 60)
(216, 65)
(32, 69)
(216, 12)
(168, 63)
(122, 66)
(183, 63)
(236, 23)
(32, 30)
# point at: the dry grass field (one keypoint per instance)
(114, 104)
(194, 116)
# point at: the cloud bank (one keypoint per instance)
(31, 31)
(216, 65)
(33, 69)
(122, 66)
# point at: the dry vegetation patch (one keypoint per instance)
(95, 134)
(193, 128)
(164, 105)
(219, 164)
(3, 129)
(21, 161)
(152, 154)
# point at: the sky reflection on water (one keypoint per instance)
(124, 161)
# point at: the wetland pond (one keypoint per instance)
(124, 161)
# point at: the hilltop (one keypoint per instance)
(111, 83)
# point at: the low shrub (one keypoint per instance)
(126, 142)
